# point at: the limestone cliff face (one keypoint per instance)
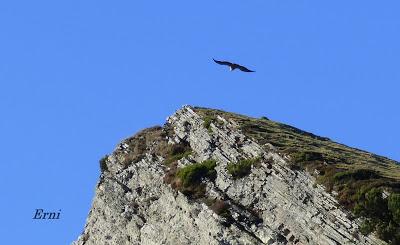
(273, 204)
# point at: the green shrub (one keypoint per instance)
(103, 164)
(300, 160)
(242, 168)
(371, 204)
(380, 213)
(306, 156)
(375, 204)
(326, 178)
(394, 206)
(174, 158)
(352, 175)
(386, 231)
(207, 122)
(367, 227)
(192, 174)
(396, 239)
(188, 179)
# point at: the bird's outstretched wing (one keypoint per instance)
(242, 68)
(223, 62)
(233, 65)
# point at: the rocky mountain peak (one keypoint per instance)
(212, 177)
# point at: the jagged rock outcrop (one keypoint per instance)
(273, 204)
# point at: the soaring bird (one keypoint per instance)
(232, 66)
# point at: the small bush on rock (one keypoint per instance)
(192, 174)
(380, 214)
(207, 122)
(103, 164)
(221, 208)
(175, 152)
(242, 168)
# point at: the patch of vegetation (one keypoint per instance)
(103, 164)
(219, 207)
(307, 159)
(327, 172)
(381, 214)
(367, 227)
(242, 168)
(137, 145)
(174, 158)
(192, 174)
(306, 156)
(207, 122)
(394, 206)
(188, 179)
(354, 175)
(176, 152)
(299, 160)
(371, 204)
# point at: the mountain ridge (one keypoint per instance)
(296, 129)
(386, 160)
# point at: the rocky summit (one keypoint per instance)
(213, 177)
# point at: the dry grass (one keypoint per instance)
(290, 140)
(141, 142)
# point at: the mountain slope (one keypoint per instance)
(288, 139)
(212, 177)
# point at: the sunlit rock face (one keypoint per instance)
(271, 203)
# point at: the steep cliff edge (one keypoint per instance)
(212, 177)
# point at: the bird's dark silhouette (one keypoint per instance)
(232, 66)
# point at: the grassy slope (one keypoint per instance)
(289, 140)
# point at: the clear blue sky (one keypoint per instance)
(76, 77)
